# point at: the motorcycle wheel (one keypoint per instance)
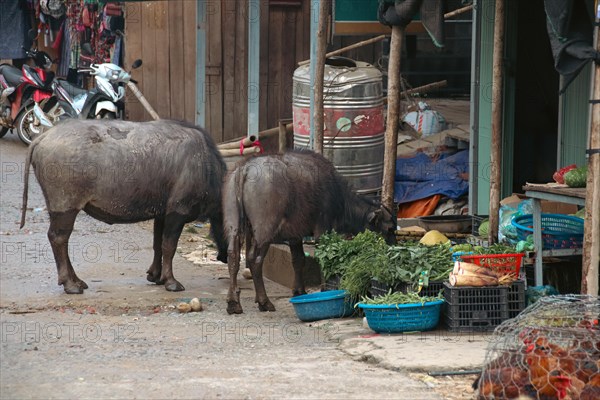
(26, 130)
(107, 115)
(3, 131)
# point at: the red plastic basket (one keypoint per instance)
(500, 263)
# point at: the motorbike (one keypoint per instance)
(104, 101)
(20, 90)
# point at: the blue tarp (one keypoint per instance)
(420, 176)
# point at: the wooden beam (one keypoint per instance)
(496, 151)
(393, 116)
(458, 11)
(324, 7)
(422, 89)
(591, 234)
(348, 48)
(283, 135)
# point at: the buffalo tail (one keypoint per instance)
(26, 180)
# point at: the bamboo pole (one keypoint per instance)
(348, 48)
(267, 133)
(320, 75)
(496, 151)
(422, 89)
(245, 142)
(393, 115)
(458, 11)
(133, 87)
(282, 137)
(236, 152)
(591, 232)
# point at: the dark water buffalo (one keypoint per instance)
(125, 172)
(284, 198)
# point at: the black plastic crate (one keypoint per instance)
(516, 298)
(471, 308)
(380, 289)
(333, 283)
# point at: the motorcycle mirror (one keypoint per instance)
(136, 64)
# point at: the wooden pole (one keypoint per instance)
(348, 48)
(236, 152)
(423, 89)
(591, 233)
(245, 142)
(320, 74)
(496, 151)
(267, 133)
(282, 137)
(458, 11)
(393, 116)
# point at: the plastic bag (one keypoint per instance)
(425, 121)
(534, 293)
(506, 231)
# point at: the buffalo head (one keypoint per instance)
(382, 220)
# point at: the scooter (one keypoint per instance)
(20, 89)
(105, 101)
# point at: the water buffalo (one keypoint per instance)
(125, 172)
(284, 198)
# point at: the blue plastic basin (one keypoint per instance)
(393, 318)
(322, 305)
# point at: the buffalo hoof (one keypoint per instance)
(174, 286)
(74, 288)
(266, 306)
(298, 293)
(81, 284)
(156, 279)
(234, 308)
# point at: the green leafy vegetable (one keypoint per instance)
(400, 298)
(334, 252)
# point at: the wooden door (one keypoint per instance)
(163, 35)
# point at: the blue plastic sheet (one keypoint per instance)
(420, 176)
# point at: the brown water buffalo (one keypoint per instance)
(125, 172)
(284, 198)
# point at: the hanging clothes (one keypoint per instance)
(570, 29)
(14, 25)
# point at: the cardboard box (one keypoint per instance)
(548, 207)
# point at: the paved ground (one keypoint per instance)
(124, 338)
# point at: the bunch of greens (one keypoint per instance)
(400, 298)
(410, 262)
(357, 278)
(497, 248)
(334, 253)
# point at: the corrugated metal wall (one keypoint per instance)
(574, 121)
(486, 14)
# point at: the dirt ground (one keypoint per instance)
(123, 338)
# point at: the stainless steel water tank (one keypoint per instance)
(353, 137)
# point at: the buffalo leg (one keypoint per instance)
(233, 264)
(155, 270)
(256, 260)
(298, 261)
(172, 228)
(61, 226)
